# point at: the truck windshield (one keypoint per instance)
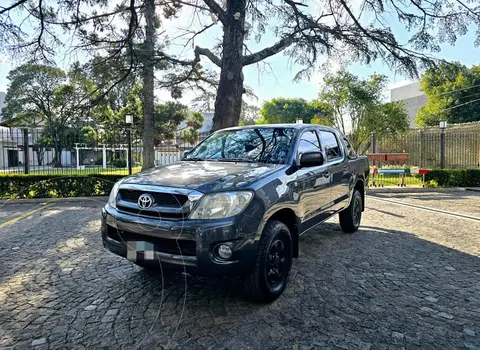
(265, 145)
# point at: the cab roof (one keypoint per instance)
(286, 125)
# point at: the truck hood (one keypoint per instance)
(205, 176)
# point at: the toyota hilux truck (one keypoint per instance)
(237, 203)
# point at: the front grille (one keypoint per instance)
(160, 198)
(152, 213)
(162, 245)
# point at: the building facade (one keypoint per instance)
(412, 97)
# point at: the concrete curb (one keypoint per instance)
(391, 189)
(473, 189)
(101, 199)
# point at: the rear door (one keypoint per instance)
(337, 163)
(313, 184)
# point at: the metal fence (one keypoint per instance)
(30, 151)
(451, 149)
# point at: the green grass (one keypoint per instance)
(394, 180)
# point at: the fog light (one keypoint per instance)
(224, 251)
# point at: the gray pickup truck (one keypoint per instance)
(237, 203)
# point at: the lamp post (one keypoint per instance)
(129, 122)
(443, 126)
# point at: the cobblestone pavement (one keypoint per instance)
(408, 279)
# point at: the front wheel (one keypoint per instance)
(272, 266)
(350, 217)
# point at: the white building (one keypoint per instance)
(12, 153)
(207, 123)
(412, 97)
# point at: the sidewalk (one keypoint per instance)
(419, 189)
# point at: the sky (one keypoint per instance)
(276, 78)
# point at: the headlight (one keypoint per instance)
(221, 205)
(112, 200)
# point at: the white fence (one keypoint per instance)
(165, 157)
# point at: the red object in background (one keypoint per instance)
(388, 157)
(422, 171)
(375, 170)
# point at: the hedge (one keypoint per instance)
(454, 177)
(56, 186)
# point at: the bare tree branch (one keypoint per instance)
(216, 9)
(11, 7)
(211, 56)
(269, 51)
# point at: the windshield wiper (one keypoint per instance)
(195, 159)
(239, 160)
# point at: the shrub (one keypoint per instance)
(120, 163)
(454, 177)
(56, 186)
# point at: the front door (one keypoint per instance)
(338, 166)
(313, 184)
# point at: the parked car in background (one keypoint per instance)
(238, 202)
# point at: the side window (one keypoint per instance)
(330, 144)
(308, 142)
(350, 151)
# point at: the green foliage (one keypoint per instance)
(453, 92)
(56, 186)
(119, 163)
(358, 103)
(90, 135)
(454, 177)
(191, 136)
(249, 114)
(41, 95)
(30, 91)
(195, 120)
(288, 110)
(168, 117)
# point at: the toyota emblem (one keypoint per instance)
(145, 201)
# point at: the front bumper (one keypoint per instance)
(186, 244)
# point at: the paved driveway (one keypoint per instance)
(410, 278)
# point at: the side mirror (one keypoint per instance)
(185, 153)
(311, 159)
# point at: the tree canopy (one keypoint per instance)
(453, 94)
(41, 95)
(359, 109)
(308, 32)
(288, 110)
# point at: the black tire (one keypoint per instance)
(351, 217)
(269, 277)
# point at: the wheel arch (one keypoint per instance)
(289, 218)
(360, 186)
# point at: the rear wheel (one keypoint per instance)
(350, 217)
(269, 277)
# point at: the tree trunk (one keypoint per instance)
(228, 103)
(148, 87)
(57, 162)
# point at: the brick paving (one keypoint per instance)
(408, 279)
